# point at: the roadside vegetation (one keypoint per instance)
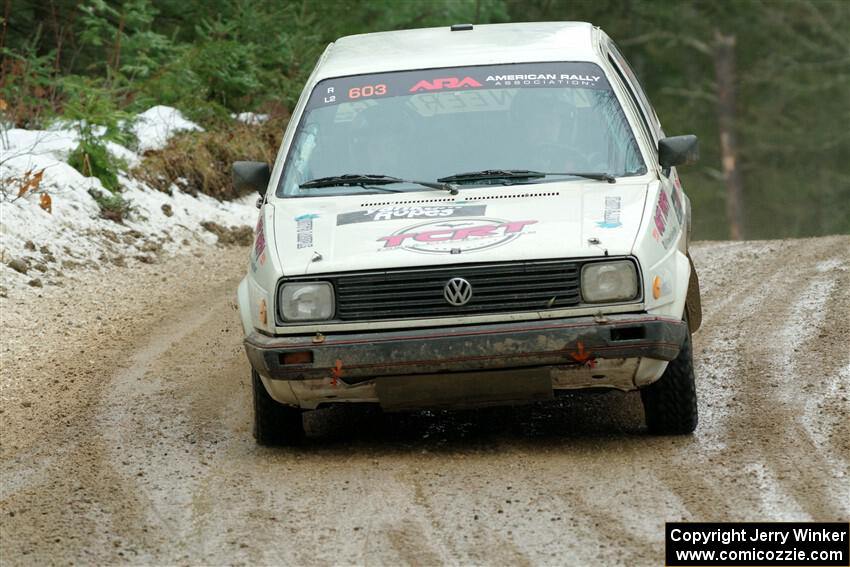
(763, 84)
(200, 161)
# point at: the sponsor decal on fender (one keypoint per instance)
(259, 255)
(452, 237)
(259, 237)
(396, 213)
(662, 232)
(677, 201)
(611, 216)
(304, 230)
(676, 181)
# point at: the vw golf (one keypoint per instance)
(470, 216)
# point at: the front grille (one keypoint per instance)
(496, 288)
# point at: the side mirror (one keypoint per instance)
(678, 150)
(251, 176)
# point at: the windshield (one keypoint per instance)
(429, 124)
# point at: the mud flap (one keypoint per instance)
(464, 390)
(693, 301)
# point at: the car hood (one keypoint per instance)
(365, 232)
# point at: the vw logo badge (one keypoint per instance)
(457, 292)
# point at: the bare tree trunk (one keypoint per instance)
(6, 11)
(40, 15)
(724, 70)
(116, 51)
(59, 34)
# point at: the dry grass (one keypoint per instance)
(200, 162)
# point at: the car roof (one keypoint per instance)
(430, 48)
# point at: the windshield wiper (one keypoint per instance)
(487, 174)
(596, 176)
(509, 174)
(365, 180)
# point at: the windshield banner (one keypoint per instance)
(407, 83)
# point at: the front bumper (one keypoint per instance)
(360, 357)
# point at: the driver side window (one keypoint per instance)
(636, 91)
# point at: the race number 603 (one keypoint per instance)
(367, 91)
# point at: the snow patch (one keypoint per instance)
(250, 117)
(155, 126)
(829, 265)
(73, 233)
(54, 144)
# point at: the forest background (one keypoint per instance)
(764, 84)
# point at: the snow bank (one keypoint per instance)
(54, 143)
(73, 234)
(155, 126)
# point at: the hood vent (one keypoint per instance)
(459, 202)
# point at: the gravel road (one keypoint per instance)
(125, 434)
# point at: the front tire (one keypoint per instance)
(274, 423)
(670, 404)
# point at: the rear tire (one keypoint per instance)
(274, 423)
(670, 404)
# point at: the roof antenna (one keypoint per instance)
(461, 27)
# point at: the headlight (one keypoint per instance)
(306, 301)
(609, 281)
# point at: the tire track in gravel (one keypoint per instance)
(717, 362)
(801, 471)
(129, 417)
(613, 528)
(731, 306)
(69, 497)
(788, 358)
(758, 327)
(825, 354)
(453, 548)
(181, 388)
(576, 482)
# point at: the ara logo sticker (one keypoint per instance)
(444, 83)
(396, 213)
(441, 237)
(611, 216)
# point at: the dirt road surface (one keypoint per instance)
(125, 434)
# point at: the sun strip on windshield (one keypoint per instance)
(338, 90)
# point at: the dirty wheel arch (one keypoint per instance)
(693, 301)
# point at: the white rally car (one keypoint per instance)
(470, 216)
